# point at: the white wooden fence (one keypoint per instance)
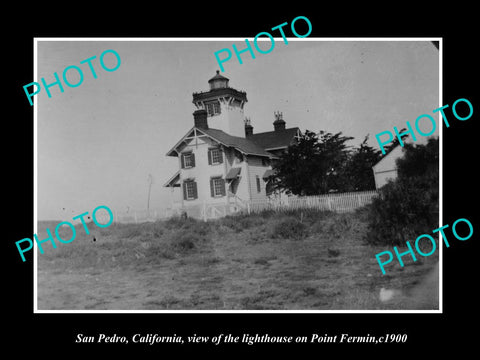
(337, 202)
(341, 202)
(139, 216)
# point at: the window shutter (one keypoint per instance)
(209, 157)
(182, 161)
(223, 187)
(221, 155)
(192, 157)
(184, 190)
(195, 193)
(211, 188)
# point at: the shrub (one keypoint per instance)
(312, 216)
(232, 223)
(241, 222)
(174, 222)
(179, 223)
(156, 229)
(130, 230)
(185, 240)
(289, 228)
(408, 206)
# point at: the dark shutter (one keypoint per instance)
(184, 190)
(209, 157)
(182, 161)
(192, 159)
(211, 188)
(195, 193)
(221, 155)
(223, 186)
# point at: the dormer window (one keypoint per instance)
(213, 108)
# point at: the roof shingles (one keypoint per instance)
(242, 144)
(274, 139)
(256, 144)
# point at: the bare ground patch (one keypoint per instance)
(230, 264)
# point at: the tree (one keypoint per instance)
(393, 144)
(419, 160)
(312, 165)
(357, 174)
(334, 157)
(409, 205)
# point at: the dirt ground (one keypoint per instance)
(223, 266)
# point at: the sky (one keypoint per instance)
(98, 143)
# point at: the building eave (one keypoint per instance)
(241, 150)
(174, 148)
(214, 93)
(174, 152)
(171, 182)
(277, 148)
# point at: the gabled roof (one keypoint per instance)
(274, 139)
(241, 144)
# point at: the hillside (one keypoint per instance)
(303, 260)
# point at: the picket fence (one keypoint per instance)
(140, 216)
(337, 202)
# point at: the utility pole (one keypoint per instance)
(150, 182)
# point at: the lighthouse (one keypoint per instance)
(224, 106)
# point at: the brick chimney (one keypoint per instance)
(248, 127)
(200, 119)
(279, 123)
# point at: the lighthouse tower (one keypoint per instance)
(224, 106)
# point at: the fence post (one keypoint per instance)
(248, 207)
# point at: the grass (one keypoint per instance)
(303, 260)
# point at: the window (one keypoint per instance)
(213, 108)
(217, 187)
(189, 190)
(188, 160)
(259, 189)
(215, 156)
